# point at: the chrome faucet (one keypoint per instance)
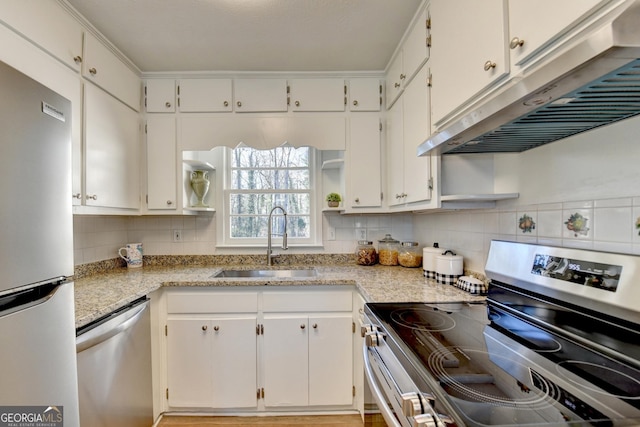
(269, 234)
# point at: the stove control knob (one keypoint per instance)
(424, 420)
(373, 339)
(411, 404)
(365, 329)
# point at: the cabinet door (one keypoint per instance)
(205, 95)
(416, 130)
(160, 96)
(260, 95)
(47, 25)
(395, 156)
(393, 80)
(525, 18)
(468, 52)
(234, 359)
(317, 94)
(103, 68)
(161, 162)
(415, 51)
(365, 94)
(112, 157)
(330, 359)
(285, 360)
(189, 367)
(364, 162)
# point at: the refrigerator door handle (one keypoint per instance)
(28, 298)
(110, 328)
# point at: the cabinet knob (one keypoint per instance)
(92, 197)
(76, 196)
(297, 103)
(216, 328)
(167, 104)
(303, 326)
(315, 326)
(93, 71)
(204, 328)
(225, 103)
(77, 59)
(357, 200)
(403, 76)
(169, 202)
(516, 42)
(396, 85)
(239, 104)
(355, 102)
(489, 65)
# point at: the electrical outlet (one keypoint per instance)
(331, 233)
(361, 234)
(177, 235)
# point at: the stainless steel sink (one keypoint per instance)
(308, 272)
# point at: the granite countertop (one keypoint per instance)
(99, 294)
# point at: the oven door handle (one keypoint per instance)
(377, 393)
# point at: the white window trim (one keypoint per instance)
(223, 239)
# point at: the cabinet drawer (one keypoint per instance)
(212, 302)
(307, 301)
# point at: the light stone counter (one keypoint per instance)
(99, 294)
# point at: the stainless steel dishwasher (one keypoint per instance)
(114, 369)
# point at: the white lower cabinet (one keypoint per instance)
(254, 350)
(212, 362)
(308, 360)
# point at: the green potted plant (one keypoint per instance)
(333, 200)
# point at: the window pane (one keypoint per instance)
(262, 203)
(256, 226)
(270, 179)
(281, 157)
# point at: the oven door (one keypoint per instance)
(400, 400)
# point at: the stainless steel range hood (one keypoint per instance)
(596, 82)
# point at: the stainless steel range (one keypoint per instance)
(557, 343)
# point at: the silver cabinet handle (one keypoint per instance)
(355, 102)
(169, 202)
(204, 327)
(357, 200)
(76, 196)
(77, 59)
(225, 103)
(402, 76)
(489, 65)
(315, 326)
(516, 42)
(303, 326)
(216, 328)
(396, 85)
(93, 71)
(297, 103)
(239, 104)
(92, 197)
(167, 104)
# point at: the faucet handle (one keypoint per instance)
(284, 241)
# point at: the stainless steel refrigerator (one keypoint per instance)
(37, 327)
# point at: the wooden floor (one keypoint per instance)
(274, 421)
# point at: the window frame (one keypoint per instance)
(224, 238)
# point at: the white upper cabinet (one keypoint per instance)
(102, 67)
(527, 37)
(160, 96)
(205, 95)
(260, 95)
(364, 165)
(161, 162)
(324, 94)
(46, 24)
(413, 53)
(469, 51)
(365, 94)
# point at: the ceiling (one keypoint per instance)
(252, 35)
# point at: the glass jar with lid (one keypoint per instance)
(365, 253)
(388, 250)
(409, 255)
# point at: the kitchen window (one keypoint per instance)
(256, 181)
